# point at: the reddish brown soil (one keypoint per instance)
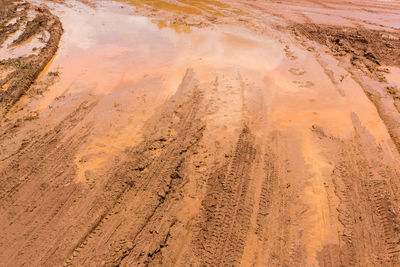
(295, 165)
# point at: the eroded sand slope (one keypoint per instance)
(200, 133)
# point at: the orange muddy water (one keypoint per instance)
(200, 133)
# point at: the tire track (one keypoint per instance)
(329, 256)
(280, 209)
(38, 155)
(268, 186)
(368, 50)
(227, 208)
(365, 187)
(386, 217)
(36, 184)
(148, 180)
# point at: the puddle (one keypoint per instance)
(98, 55)
(178, 28)
(31, 46)
(133, 63)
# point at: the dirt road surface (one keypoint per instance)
(200, 133)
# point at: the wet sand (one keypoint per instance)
(200, 133)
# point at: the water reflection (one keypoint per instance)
(178, 28)
(107, 47)
(188, 7)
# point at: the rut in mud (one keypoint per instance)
(147, 181)
(34, 183)
(203, 133)
(22, 72)
(368, 193)
(227, 208)
(367, 51)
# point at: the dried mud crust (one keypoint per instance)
(367, 189)
(23, 71)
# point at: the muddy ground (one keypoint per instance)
(199, 133)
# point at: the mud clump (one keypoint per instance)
(33, 27)
(368, 49)
(10, 11)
